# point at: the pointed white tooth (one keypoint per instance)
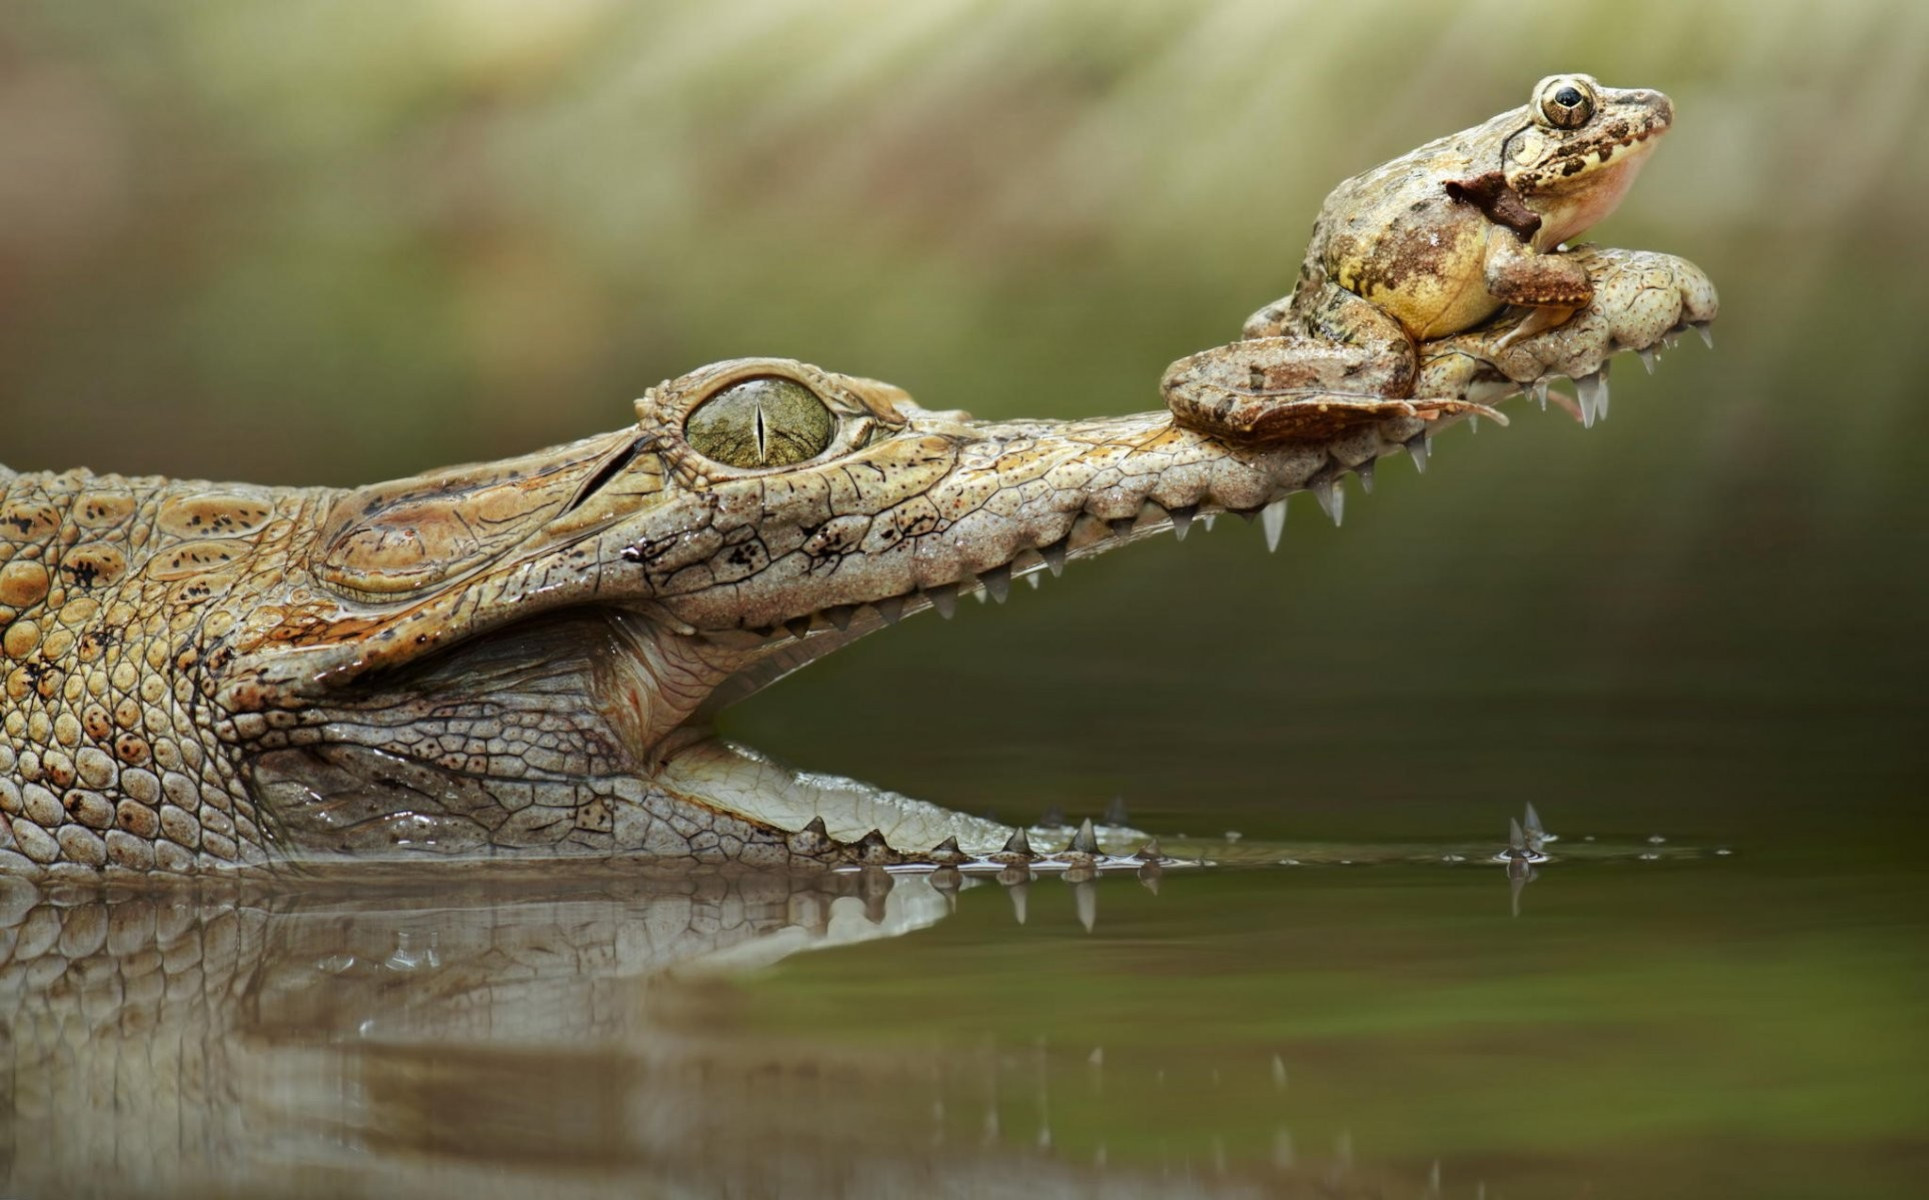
(1181, 522)
(944, 598)
(1540, 392)
(1592, 391)
(1648, 358)
(891, 609)
(1533, 822)
(1331, 494)
(1208, 519)
(1054, 556)
(978, 594)
(997, 583)
(1707, 336)
(1032, 579)
(1418, 447)
(1365, 472)
(1273, 520)
(1669, 339)
(1473, 422)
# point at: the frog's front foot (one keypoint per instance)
(1642, 300)
(1278, 389)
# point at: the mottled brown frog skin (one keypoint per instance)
(1428, 245)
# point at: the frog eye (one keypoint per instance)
(764, 421)
(1565, 102)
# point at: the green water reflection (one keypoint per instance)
(1694, 1025)
(1641, 1029)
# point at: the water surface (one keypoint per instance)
(1686, 1024)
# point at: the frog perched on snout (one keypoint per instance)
(1428, 245)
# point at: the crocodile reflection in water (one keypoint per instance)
(469, 1036)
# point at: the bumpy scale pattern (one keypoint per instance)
(111, 590)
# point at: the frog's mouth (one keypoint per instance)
(1600, 180)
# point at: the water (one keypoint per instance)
(1690, 1024)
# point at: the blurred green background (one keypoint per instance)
(311, 242)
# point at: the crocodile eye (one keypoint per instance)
(763, 422)
(1566, 104)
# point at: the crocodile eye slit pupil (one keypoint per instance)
(767, 421)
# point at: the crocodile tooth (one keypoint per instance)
(1182, 521)
(1707, 335)
(1032, 579)
(1085, 902)
(1418, 446)
(891, 609)
(978, 594)
(1208, 519)
(1331, 498)
(1122, 526)
(1533, 822)
(1648, 358)
(840, 615)
(1592, 391)
(1085, 841)
(997, 582)
(1365, 472)
(947, 850)
(1540, 392)
(799, 627)
(872, 848)
(944, 598)
(1149, 876)
(1054, 556)
(1473, 422)
(1669, 338)
(1018, 843)
(1273, 519)
(811, 839)
(1516, 840)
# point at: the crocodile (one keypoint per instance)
(522, 659)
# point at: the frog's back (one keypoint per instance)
(1395, 237)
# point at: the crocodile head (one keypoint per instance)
(527, 654)
(564, 625)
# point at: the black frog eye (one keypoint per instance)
(767, 421)
(1566, 103)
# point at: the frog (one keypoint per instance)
(1432, 244)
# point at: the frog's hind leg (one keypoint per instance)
(1303, 374)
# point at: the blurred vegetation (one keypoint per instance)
(312, 242)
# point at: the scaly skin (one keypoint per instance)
(521, 658)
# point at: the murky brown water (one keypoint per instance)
(1691, 1024)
